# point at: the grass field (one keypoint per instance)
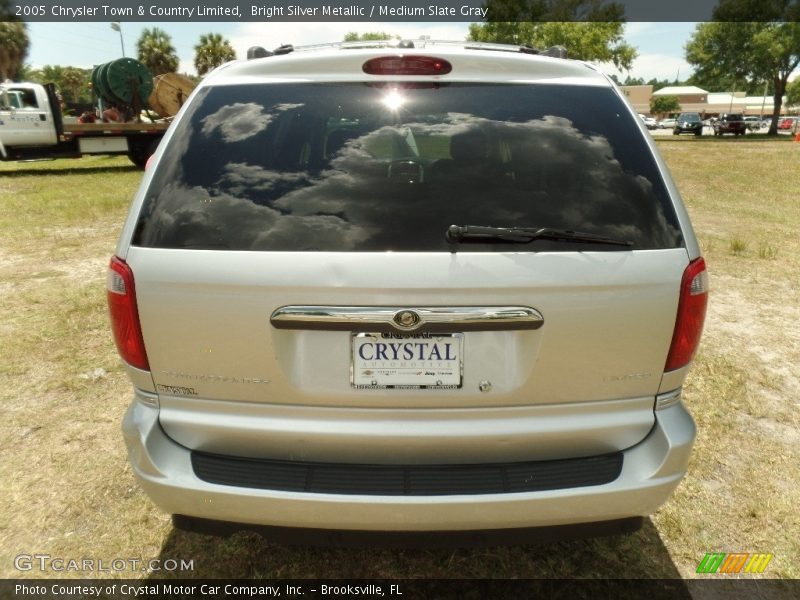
(67, 490)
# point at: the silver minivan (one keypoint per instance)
(443, 287)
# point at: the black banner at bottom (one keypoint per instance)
(399, 589)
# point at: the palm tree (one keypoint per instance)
(74, 84)
(212, 51)
(156, 51)
(14, 45)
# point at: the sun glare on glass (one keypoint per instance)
(393, 100)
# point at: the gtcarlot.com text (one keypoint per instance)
(57, 564)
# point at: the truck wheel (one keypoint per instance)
(698, 132)
(141, 150)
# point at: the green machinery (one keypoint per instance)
(125, 82)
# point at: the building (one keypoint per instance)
(695, 99)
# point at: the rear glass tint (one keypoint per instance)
(354, 167)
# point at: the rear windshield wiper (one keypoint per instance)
(457, 234)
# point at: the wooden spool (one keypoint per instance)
(170, 91)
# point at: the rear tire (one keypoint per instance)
(141, 150)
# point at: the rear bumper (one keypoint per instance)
(650, 471)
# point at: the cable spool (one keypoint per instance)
(170, 91)
(123, 81)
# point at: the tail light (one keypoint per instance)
(124, 314)
(407, 65)
(691, 315)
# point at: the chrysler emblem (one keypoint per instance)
(406, 319)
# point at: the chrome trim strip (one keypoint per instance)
(384, 319)
(668, 399)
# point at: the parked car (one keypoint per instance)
(388, 288)
(688, 123)
(730, 123)
(649, 122)
(753, 123)
(666, 124)
(787, 123)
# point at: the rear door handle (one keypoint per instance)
(385, 319)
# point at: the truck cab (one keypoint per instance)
(26, 116)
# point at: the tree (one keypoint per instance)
(369, 36)
(793, 93)
(659, 83)
(758, 52)
(26, 72)
(728, 83)
(14, 44)
(598, 37)
(662, 105)
(212, 51)
(7, 12)
(74, 84)
(49, 74)
(155, 50)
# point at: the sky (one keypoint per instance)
(660, 45)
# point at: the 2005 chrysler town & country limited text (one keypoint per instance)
(443, 287)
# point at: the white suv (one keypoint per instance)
(444, 287)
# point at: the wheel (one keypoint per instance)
(140, 150)
(699, 132)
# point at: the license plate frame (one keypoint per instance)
(369, 369)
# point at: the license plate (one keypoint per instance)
(406, 361)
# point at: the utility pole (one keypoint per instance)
(117, 26)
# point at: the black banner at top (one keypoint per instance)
(396, 11)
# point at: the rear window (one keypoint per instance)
(355, 167)
(690, 118)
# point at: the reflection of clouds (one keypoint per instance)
(239, 178)
(237, 122)
(451, 124)
(286, 106)
(541, 173)
(562, 178)
(592, 191)
(191, 217)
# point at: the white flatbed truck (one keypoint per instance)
(32, 127)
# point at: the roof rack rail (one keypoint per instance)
(553, 51)
(284, 49)
(257, 52)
